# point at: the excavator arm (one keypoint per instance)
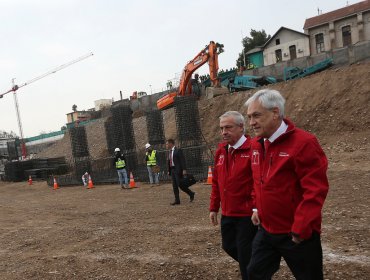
(208, 54)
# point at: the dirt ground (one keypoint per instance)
(108, 233)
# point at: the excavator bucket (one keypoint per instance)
(166, 101)
(212, 92)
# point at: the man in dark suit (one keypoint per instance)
(177, 169)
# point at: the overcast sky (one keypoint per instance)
(138, 46)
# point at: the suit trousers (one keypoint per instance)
(237, 236)
(176, 185)
(303, 259)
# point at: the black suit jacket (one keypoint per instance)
(178, 160)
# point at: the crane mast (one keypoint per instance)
(23, 145)
(16, 87)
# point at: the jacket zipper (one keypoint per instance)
(270, 164)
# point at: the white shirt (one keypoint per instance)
(281, 130)
(239, 142)
(173, 148)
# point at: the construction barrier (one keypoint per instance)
(55, 184)
(90, 184)
(209, 178)
(132, 181)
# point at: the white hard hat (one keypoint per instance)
(117, 150)
(147, 145)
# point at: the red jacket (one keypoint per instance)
(290, 182)
(232, 183)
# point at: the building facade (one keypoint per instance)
(339, 28)
(255, 58)
(286, 44)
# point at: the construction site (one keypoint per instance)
(57, 224)
(109, 233)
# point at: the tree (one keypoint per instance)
(74, 108)
(257, 39)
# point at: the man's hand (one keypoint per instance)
(184, 172)
(213, 218)
(255, 219)
(297, 239)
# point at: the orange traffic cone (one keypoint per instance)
(90, 184)
(55, 184)
(30, 180)
(132, 181)
(209, 178)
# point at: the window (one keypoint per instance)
(278, 55)
(277, 41)
(319, 38)
(346, 35)
(292, 52)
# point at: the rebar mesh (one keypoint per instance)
(37, 168)
(80, 166)
(122, 128)
(197, 161)
(120, 134)
(110, 136)
(79, 142)
(155, 127)
(187, 121)
(12, 150)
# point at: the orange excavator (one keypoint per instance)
(208, 54)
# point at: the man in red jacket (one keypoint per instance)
(232, 186)
(290, 184)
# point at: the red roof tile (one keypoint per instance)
(337, 14)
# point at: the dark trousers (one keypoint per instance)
(237, 236)
(304, 259)
(176, 185)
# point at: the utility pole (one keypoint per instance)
(245, 63)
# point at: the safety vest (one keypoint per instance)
(120, 163)
(151, 158)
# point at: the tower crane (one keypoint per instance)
(16, 87)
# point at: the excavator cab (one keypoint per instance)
(208, 54)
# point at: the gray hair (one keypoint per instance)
(269, 99)
(238, 118)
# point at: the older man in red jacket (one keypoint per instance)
(290, 183)
(232, 186)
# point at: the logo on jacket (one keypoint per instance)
(244, 156)
(221, 160)
(283, 154)
(255, 157)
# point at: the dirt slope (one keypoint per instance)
(331, 103)
(327, 103)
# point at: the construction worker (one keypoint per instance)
(85, 179)
(120, 164)
(151, 163)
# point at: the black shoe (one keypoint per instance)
(192, 196)
(175, 203)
